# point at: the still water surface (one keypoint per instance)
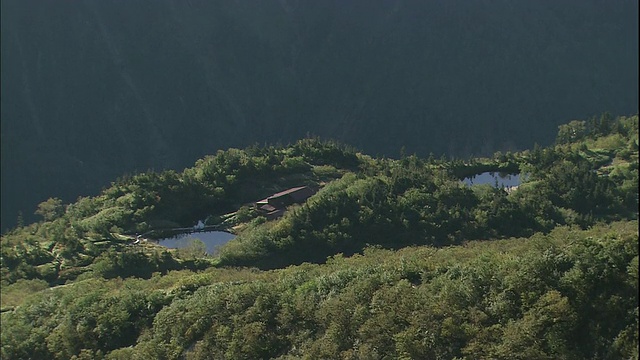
(493, 178)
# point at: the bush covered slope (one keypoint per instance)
(389, 259)
(570, 294)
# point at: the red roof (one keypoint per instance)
(297, 195)
(287, 192)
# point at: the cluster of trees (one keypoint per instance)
(596, 126)
(571, 294)
(413, 287)
(72, 237)
(411, 201)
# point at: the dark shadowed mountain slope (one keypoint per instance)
(94, 89)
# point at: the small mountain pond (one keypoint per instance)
(211, 239)
(492, 178)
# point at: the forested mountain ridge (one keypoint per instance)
(445, 287)
(94, 89)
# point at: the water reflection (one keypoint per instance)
(211, 239)
(496, 179)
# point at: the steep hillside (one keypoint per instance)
(568, 295)
(590, 176)
(388, 259)
(95, 89)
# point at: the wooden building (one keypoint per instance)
(274, 205)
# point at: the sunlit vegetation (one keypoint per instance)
(569, 294)
(389, 259)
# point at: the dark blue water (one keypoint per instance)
(211, 239)
(492, 178)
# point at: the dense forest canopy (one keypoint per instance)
(390, 258)
(96, 89)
